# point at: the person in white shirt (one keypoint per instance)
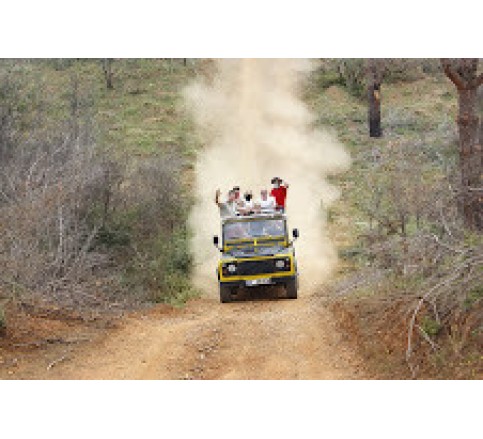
(248, 203)
(267, 203)
(227, 208)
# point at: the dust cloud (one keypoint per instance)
(255, 126)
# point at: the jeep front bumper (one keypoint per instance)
(260, 281)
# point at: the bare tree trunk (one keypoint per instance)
(463, 73)
(480, 113)
(75, 106)
(470, 158)
(375, 129)
(107, 68)
(374, 79)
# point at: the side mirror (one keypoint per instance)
(295, 233)
(216, 240)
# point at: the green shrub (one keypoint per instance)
(176, 288)
(473, 297)
(354, 253)
(328, 78)
(430, 326)
(161, 271)
(116, 234)
(352, 76)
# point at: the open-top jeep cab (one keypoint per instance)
(256, 251)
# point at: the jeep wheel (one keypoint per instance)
(225, 294)
(291, 289)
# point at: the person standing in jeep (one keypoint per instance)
(227, 208)
(279, 192)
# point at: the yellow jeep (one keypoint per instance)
(256, 251)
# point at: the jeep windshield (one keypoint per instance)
(254, 229)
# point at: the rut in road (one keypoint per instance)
(207, 340)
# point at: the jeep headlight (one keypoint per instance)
(231, 268)
(280, 264)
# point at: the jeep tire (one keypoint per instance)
(225, 294)
(291, 289)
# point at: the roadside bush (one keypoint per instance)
(67, 218)
(77, 218)
(397, 186)
(153, 276)
(422, 261)
(49, 179)
(49, 190)
(159, 245)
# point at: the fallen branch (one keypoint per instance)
(427, 338)
(445, 282)
(51, 365)
(443, 221)
(443, 244)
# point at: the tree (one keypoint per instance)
(107, 68)
(480, 110)
(463, 73)
(374, 75)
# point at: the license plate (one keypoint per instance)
(255, 282)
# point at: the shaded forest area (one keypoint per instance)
(95, 165)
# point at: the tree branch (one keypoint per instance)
(479, 80)
(51, 365)
(452, 74)
(375, 69)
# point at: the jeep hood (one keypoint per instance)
(252, 251)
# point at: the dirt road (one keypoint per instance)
(207, 340)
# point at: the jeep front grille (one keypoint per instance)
(250, 268)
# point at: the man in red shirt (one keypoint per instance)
(279, 192)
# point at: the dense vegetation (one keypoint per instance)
(94, 199)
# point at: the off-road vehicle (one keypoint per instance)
(256, 251)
